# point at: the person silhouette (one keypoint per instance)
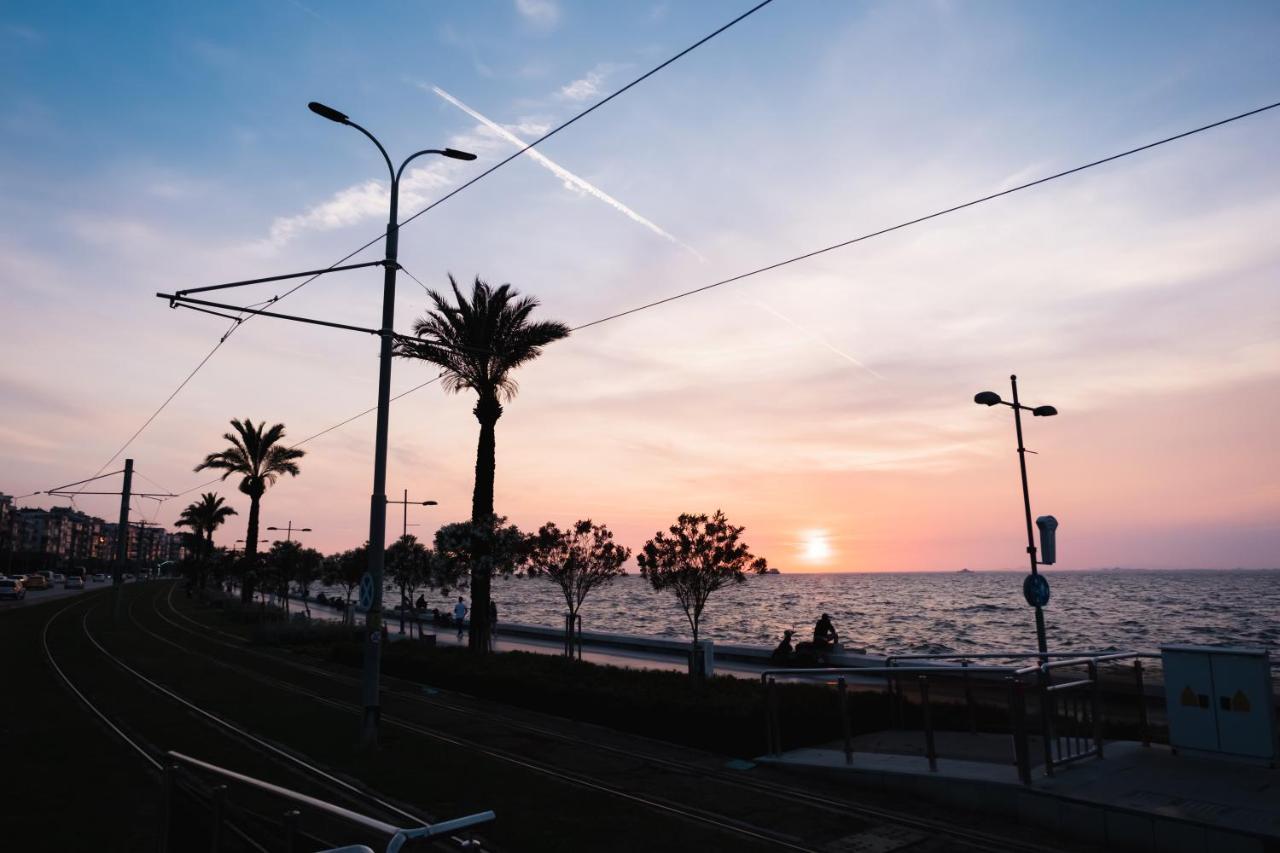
(824, 634)
(459, 614)
(784, 652)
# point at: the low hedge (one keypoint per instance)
(723, 714)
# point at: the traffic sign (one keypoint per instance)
(1035, 589)
(366, 591)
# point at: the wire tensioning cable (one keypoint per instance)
(239, 321)
(877, 233)
(851, 242)
(925, 218)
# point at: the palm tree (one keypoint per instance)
(205, 516)
(258, 456)
(479, 342)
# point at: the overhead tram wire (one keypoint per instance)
(919, 219)
(328, 429)
(238, 322)
(850, 242)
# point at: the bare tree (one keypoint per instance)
(697, 557)
(578, 560)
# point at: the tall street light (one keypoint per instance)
(405, 503)
(1035, 588)
(378, 500)
(289, 531)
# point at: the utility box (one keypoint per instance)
(1220, 700)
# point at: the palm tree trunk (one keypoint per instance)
(487, 412)
(250, 549)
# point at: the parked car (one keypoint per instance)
(99, 578)
(21, 578)
(57, 577)
(74, 582)
(10, 588)
(36, 581)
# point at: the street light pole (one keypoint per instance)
(1036, 588)
(1041, 641)
(405, 503)
(378, 500)
(288, 536)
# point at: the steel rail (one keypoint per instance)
(798, 795)
(132, 743)
(249, 736)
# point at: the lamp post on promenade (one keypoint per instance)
(288, 536)
(1035, 588)
(378, 500)
(405, 503)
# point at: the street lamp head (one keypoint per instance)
(430, 503)
(448, 152)
(987, 398)
(275, 528)
(328, 112)
(305, 530)
(1044, 411)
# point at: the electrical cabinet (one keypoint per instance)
(1220, 700)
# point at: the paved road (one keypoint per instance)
(35, 596)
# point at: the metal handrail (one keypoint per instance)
(883, 670)
(1085, 660)
(399, 835)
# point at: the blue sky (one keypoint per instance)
(154, 146)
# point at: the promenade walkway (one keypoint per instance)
(1137, 798)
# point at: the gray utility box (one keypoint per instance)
(1220, 700)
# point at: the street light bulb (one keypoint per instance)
(450, 152)
(987, 398)
(327, 112)
(1044, 411)
(429, 503)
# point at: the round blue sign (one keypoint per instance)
(1035, 589)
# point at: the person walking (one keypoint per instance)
(459, 615)
(493, 624)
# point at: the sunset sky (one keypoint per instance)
(826, 406)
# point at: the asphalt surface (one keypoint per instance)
(35, 596)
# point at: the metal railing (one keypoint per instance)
(397, 836)
(1070, 712)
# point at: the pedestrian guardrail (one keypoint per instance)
(397, 836)
(1070, 711)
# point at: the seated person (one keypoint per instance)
(784, 652)
(824, 634)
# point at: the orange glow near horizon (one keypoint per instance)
(815, 548)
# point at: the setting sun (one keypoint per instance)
(815, 546)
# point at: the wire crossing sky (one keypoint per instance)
(1136, 296)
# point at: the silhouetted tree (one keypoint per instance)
(346, 569)
(409, 567)
(480, 342)
(204, 517)
(257, 455)
(504, 546)
(578, 560)
(698, 556)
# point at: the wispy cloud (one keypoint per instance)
(571, 180)
(817, 338)
(540, 13)
(588, 86)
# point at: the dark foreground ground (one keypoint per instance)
(556, 783)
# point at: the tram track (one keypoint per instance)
(247, 825)
(877, 818)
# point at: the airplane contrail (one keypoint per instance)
(817, 338)
(563, 173)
